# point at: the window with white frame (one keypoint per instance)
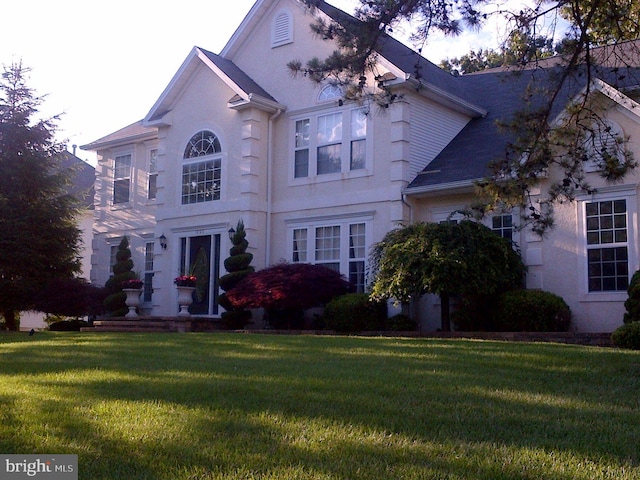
(503, 225)
(147, 291)
(607, 237)
(122, 179)
(153, 174)
(113, 252)
(330, 143)
(341, 247)
(201, 170)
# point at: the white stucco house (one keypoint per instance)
(234, 136)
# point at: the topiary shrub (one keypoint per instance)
(238, 267)
(627, 336)
(632, 304)
(115, 301)
(354, 312)
(532, 311)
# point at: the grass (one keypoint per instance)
(225, 406)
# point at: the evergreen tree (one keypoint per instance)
(39, 236)
(115, 304)
(512, 183)
(238, 267)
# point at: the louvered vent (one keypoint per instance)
(282, 29)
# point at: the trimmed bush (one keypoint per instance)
(627, 336)
(632, 304)
(355, 312)
(68, 325)
(401, 323)
(532, 311)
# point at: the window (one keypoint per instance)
(357, 255)
(153, 174)
(113, 252)
(121, 179)
(341, 247)
(330, 92)
(300, 245)
(201, 178)
(148, 272)
(358, 134)
(301, 167)
(607, 245)
(333, 147)
(503, 226)
(282, 29)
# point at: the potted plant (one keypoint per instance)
(186, 285)
(133, 289)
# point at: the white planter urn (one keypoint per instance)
(185, 299)
(132, 301)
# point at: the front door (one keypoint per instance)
(200, 257)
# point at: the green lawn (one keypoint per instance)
(232, 406)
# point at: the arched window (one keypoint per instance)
(201, 171)
(330, 92)
(202, 143)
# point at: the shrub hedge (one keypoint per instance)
(354, 312)
(627, 336)
(531, 311)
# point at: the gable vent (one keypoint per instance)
(282, 29)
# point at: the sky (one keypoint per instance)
(103, 65)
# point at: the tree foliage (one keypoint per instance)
(238, 266)
(115, 303)
(39, 237)
(444, 259)
(537, 142)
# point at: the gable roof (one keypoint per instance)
(82, 180)
(466, 158)
(246, 90)
(135, 131)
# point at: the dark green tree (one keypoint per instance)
(238, 266)
(39, 237)
(115, 303)
(518, 50)
(445, 259)
(512, 182)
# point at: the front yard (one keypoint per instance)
(232, 406)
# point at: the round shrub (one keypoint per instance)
(532, 311)
(632, 304)
(354, 312)
(627, 336)
(401, 323)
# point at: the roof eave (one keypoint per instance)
(95, 146)
(445, 98)
(462, 186)
(241, 102)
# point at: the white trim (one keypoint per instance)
(616, 192)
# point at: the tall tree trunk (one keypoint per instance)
(10, 320)
(445, 318)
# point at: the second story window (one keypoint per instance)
(201, 170)
(122, 179)
(153, 174)
(331, 143)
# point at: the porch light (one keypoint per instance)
(163, 241)
(232, 232)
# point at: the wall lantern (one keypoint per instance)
(232, 232)
(163, 241)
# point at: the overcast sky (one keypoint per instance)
(104, 64)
